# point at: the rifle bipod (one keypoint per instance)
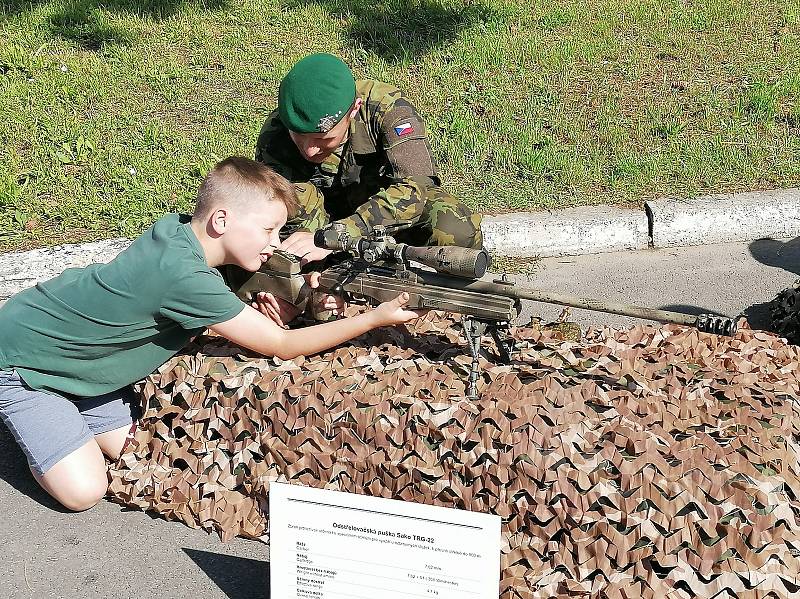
(474, 330)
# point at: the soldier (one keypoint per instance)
(358, 154)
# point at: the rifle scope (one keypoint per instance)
(461, 262)
(450, 259)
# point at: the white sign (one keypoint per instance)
(333, 545)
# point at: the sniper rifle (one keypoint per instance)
(374, 268)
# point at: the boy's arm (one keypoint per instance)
(253, 330)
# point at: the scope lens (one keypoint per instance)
(482, 262)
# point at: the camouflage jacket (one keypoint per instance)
(382, 171)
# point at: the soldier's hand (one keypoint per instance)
(277, 310)
(301, 243)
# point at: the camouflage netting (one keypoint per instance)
(649, 462)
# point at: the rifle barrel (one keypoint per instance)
(609, 307)
(517, 292)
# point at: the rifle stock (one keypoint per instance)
(280, 275)
(379, 284)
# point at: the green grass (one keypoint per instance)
(110, 112)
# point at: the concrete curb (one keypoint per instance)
(724, 219)
(20, 270)
(568, 232)
(572, 231)
(664, 223)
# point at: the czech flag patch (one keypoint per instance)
(403, 129)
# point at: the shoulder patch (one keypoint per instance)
(401, 125)
(404, 129)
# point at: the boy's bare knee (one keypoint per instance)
(77, 494)
(78, 481)
(83, 497)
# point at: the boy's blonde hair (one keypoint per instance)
(237, 182)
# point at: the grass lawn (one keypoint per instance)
(112, 110)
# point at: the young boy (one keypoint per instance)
(71, 347)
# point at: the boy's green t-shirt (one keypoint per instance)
(93, 330)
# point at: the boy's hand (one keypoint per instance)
(282, 312)
(301, 243)
(277, 310)
(393, 312)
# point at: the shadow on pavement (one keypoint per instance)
(14, 470)
(237, 577)
(690, 309)
(758, 315)
(780, 254)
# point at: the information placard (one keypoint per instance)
(332, 545)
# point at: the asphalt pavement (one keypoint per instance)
(725, 279)
(113, 552)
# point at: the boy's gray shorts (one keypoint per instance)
(48, 427)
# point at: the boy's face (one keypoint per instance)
(251, 234)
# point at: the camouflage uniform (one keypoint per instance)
(383, 171)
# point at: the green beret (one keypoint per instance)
(316, 94)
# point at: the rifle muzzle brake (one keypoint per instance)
(719, 325)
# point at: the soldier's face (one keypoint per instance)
(316, 147)
(252, 234)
